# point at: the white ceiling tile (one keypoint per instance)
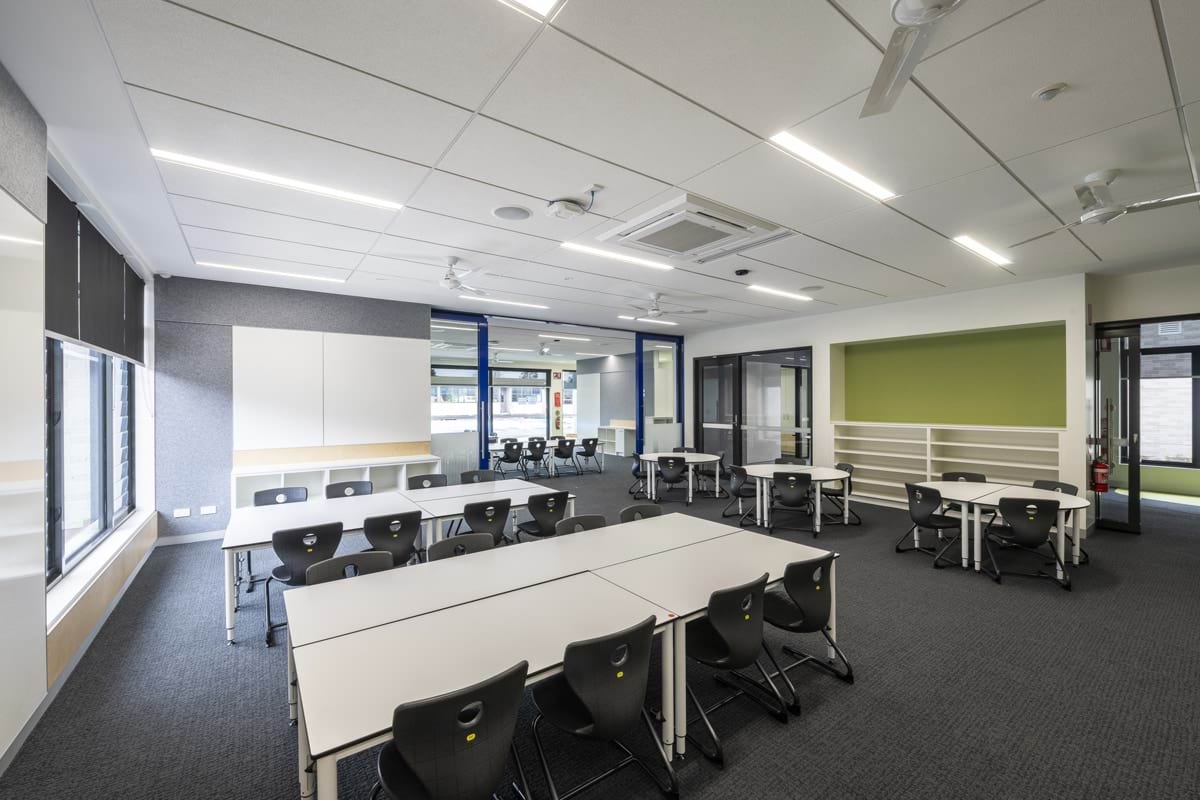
(827, 264)
(413, 250)
(967, 20)
(189, 182)
(271, 265)
(767, 182)
(236, 244)
(913, 145)
(453, 49)
(425, 226)
(453, 196)
(416, 269)
(180, 52)
(502, 155)
(218, 216)
(1107, 53)
(765, 65)
(570, 93)
(1181, 18)
(181, 127)
(827, 295)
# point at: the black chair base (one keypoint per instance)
(581, 460)
(741, 515)
(791, 510)
(839, 517)
(670, 787)
(638, 489)
(764, 693)
(271, 626)
(570, 464)
(907, 536)
(941, 554)
(521, 791)
(996, 574)
(658, 495)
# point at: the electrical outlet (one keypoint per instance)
(182, 512)
(208, 510)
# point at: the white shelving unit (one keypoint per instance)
(617, 439)
(387, 474)
(886, 456)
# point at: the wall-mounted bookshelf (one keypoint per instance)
(387, 475)
(888, 455)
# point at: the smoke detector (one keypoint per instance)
(564, 209)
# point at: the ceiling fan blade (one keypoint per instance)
(472, 290)
(903, 53)
(1044, 235)
(642, 309)
(1177, 200)
(695, 311)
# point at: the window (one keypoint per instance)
(1169, 406)
(453, 399)
(520, 403)
(89, 451)
(570, 411)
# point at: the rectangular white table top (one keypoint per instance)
(350, 685)
(252, 526)
(1066, 502)
(682, 580)
(464, 489)
(453, 506)
(963, 491)
(316, 613)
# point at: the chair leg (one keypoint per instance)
(995, 574)
(522, 790)
(249, 573)
(824, 665)
(716, 753)
(908, 535)
(763, 692)
(267, 591)
(537, 740)
(793, 706)
(937, 559)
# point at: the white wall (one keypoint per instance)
(1056, 299)
(1144, 295)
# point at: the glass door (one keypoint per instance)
(717, 412)
(776, 403)
(659, 397)
(1117, 457)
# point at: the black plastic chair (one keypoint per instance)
(477, 476)
(729, 637)
(563, 455)
(804, 606)
(348, 489)
(488, 516)
(546, 509)
(462, 545)
(535, 456)
(600, 695)
(963, 477)
(299, 549)
(672, 471)
(640, 511)
(267, 497)
(1055, 486)
(433, 480)
(638, 487)
(580, 523)
(348, 566)
(925, 512)
(586, 452)
(792, 495)
(683, 449)
(717, 472)
(741, 487)
(395, 534)
(1027, 527)
(511, 455)
(454, 746)
(833, 493)
(795, 461)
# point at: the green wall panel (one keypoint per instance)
(1008, 377)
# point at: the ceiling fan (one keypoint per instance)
(916, 20)
(1099, 208)
(653, 311)
(453, 280)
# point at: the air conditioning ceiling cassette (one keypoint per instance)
(691, 228)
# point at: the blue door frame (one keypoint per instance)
(482, 419)
(639, 381)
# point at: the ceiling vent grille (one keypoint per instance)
(693, 229)
(1172, 328)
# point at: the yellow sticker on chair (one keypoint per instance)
(747, 617)
(621, 674)
(471, 736)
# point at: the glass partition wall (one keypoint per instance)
(660, 419)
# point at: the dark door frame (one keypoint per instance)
(1128, 420)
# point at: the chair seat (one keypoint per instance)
(561, 707)
(284, 575)
(532, 528)
(780, 611)
(940, 521)
(398, 781)
(705, 645)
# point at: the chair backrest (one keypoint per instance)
(536, 439)
(565, 448)
(683, 449)
(608, 675)
(300, 548)
(849, 469)
(1056, 486)
(461, 545)
(348, 489)
(737, 478)
(790, 460)
(807, 584)
(285, 494)
(923, 502)
(547, 509)
(672, 469)
(736, 615)
(589, 447)
(968, 477)
(512, 451)
(537, 450)
(640, 511)
(477, 476)
(508, 439)
(430, 481)
(577, 524)
(722, 468)
(457, 744)
(793, 487)
(635, 469)
(348, 566)
(1030, 520)
(395, 534)
(488, 516)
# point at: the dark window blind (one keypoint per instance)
(134, 328)
(62, 260)
(101, 291)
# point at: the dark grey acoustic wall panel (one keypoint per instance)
(22, 148)
(62, 264)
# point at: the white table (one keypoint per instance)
(349, 686)
(692, 460)
(964, 493)
(448, 509)
(1066, 502)
(464, 489)
(763, 474)
(251, 528)
(682, 580)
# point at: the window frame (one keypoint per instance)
(1194, 350)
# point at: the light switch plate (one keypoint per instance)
(208, 510)
(182, 512)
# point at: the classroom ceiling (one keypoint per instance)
(522, 341)
(457, 107)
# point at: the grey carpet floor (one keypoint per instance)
(965, 688)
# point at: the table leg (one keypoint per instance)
(691, 472)
(230, 594)
(680, 688)
(1077, 544)
(817, 505)
(965, 535)
(978, 539)
(571, 507)
(291, 681)
(845, 504)
(668, 690)
(327, 784)
(832, 654)
(1061, 543)
(305, 762)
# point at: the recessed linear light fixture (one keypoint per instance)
(664, 347)
(647, 319)
(272, 180)
(270, 272)
(512, 350)
(592, 354)
(982, 251)
(501, 302)
(452, 328)
(754, 287)
(831, 166)
(19, 240)
(568, 338)
(596, 251)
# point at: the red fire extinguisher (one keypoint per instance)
(1100, 475)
